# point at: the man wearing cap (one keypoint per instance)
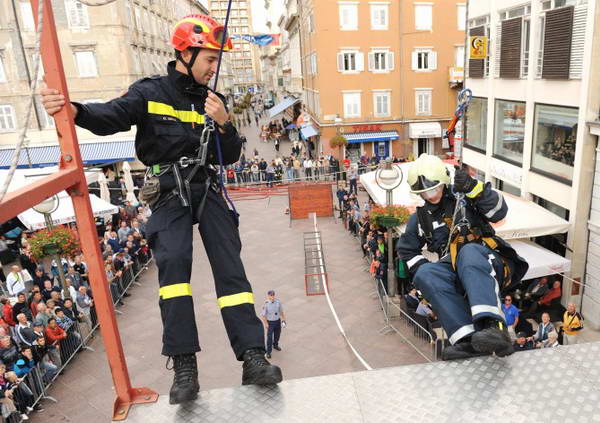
(273, 317)
(183, 130)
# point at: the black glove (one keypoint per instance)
(463, 182)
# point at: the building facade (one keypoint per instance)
(378, 72)
(527, 124)
(104, 50)
(244, 57)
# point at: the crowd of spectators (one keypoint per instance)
(44, 322)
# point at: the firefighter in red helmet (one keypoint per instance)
(170, 113)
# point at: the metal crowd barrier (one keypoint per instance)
(34, 387)
(398, 320)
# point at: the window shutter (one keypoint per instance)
(497, 50)
(390, 62)
(415, 60)
(578, 41)
(432, 60)
(340, 62)
(510, 49)
(557, 43)
(360, 62)
(476, 66)
(371, 57)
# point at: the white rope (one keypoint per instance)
(335, 316)
(30, 104)
(96, 3)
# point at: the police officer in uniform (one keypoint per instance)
(170, 113)
(475, 266)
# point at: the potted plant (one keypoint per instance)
(338, 142)
(389, 216)
(56, 241)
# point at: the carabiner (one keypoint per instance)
(464, 97)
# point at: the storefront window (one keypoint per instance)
(510, 130)
(477, 123)
(554, 140)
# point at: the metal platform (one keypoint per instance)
(551, 385)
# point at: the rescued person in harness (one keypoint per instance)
(176, 138)
(475, 267)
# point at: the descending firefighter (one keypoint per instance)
(474, 268)
(173, 115)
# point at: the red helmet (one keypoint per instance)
(199, 31)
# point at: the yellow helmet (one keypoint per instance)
(426, 173)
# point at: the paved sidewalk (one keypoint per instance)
(274, 259)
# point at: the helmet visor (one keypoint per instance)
(423, 184)
(218, 37)
(432, 193)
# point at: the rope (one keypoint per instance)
(96, 3)
(33, 87)
(335, 316)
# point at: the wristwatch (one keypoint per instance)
(227, 126)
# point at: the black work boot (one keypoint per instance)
(257, 370)
(185, 382)
(459, 351)
(493, 338)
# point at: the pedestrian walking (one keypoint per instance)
(274, 319)
(170, 113)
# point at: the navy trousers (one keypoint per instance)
(464, 297)
(273, 334)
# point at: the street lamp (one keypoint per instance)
(47, 207)
(389, 177)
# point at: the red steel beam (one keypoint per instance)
(24, 198)
(71, 160)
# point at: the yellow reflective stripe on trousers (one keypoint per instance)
(175, 290)
(236, 299)
(183, 115)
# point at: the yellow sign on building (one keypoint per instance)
(478, 47)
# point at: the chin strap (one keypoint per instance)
(190, 64)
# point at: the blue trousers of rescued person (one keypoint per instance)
(464, 297)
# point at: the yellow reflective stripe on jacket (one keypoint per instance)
(236, 299)
(183, 115)
(476, 191)
(175, 290)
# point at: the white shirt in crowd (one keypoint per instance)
(15, 282)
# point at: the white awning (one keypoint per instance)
(542, 262)
(425, 130)
(525, 219)
(65, 213)
(280, 107)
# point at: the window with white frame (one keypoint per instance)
(379, 16)
(517, 43)
(381, 60)
(350, 61)
(86, 63)
(27, 16)
(424, 60)
(138, 18)
(8, 122)
(77, 14)
(352, 104)
(423, 102)
(2, 70)
(459, 56)
(46, 121)
(461, 16)
(129, 14)
(423, 16)
(382, 102)
(313, 64)
(348, 16)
